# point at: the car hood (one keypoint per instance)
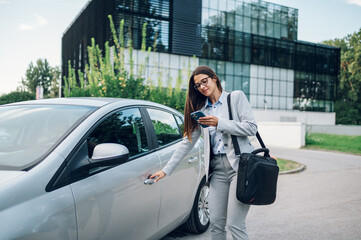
(6, 176)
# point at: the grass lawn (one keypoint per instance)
(341, 143)
(286, 165)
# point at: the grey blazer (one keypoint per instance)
(242, 126)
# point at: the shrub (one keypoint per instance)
(16, 96)
(106, 77)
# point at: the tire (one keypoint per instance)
(198, 221)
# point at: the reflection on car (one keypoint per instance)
(78, 168)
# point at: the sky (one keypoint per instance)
(32, 29)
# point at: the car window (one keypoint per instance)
(124, 127)
(29, 132)
(180, 124)
(165, 126)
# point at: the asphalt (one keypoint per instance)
(321, 202)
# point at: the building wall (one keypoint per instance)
(172, 69)
(351, 130)
(271, 88)
(256, 17)
(251, 45)
(162, 68)
(276, 134)
(306, 117)
(186, 20)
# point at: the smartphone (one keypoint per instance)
(196, 115)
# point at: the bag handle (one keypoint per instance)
(259, 150)
(234, 138)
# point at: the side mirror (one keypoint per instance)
(107, 154)
(80, 166)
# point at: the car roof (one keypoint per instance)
(91, 101)
(82, 101)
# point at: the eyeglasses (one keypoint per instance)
(203, 82)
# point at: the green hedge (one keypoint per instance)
(16, 96)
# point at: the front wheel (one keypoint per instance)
(198, 220)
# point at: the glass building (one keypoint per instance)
(251, 44)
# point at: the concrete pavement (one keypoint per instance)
(322, 202)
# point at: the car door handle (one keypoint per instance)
(193, 160)
(150, 181)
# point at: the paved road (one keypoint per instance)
(322, 202)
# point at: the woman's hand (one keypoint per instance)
(159, 175)
(209, 120)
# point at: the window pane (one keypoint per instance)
(230, 20)
(268, 87)
(255, 26)
(247, 9)
(231, 6)
(276, 88)
(222, 6)
(262, 27)
(165, 126)
(277, 31)
(28, 132)
(213, 4)
(269, 29)
(205, 16)
(124, 127)
(239, 23)
(180, 124)
(205, 3)
(247, 25)
(283, 88)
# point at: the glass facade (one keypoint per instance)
(251, 44)
(250, 16)
(232, 75)
(314, 92)
(155, 13)
(165, 69)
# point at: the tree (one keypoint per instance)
(16, 96)
(40, 74)
(348, 101)
(54, 87)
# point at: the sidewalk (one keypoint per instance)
(322, 202)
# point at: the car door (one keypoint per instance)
(115, 203)
(179, 188)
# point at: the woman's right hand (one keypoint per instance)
(159, 175)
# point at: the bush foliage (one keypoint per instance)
(107, 76)
(16, 96)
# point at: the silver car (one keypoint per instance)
(78, 168)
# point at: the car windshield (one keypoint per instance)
(29, 132)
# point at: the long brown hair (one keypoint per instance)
(195, 99)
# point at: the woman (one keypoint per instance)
(205, 93)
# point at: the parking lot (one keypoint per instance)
(322, 202)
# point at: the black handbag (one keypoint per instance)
(257, 175)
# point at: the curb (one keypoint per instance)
(297, 170)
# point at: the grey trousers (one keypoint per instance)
(225, 209)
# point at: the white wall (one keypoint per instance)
(277, 134)
(316, 118)
(351, 130)
(163, 68)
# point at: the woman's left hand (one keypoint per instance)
(209, 120)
